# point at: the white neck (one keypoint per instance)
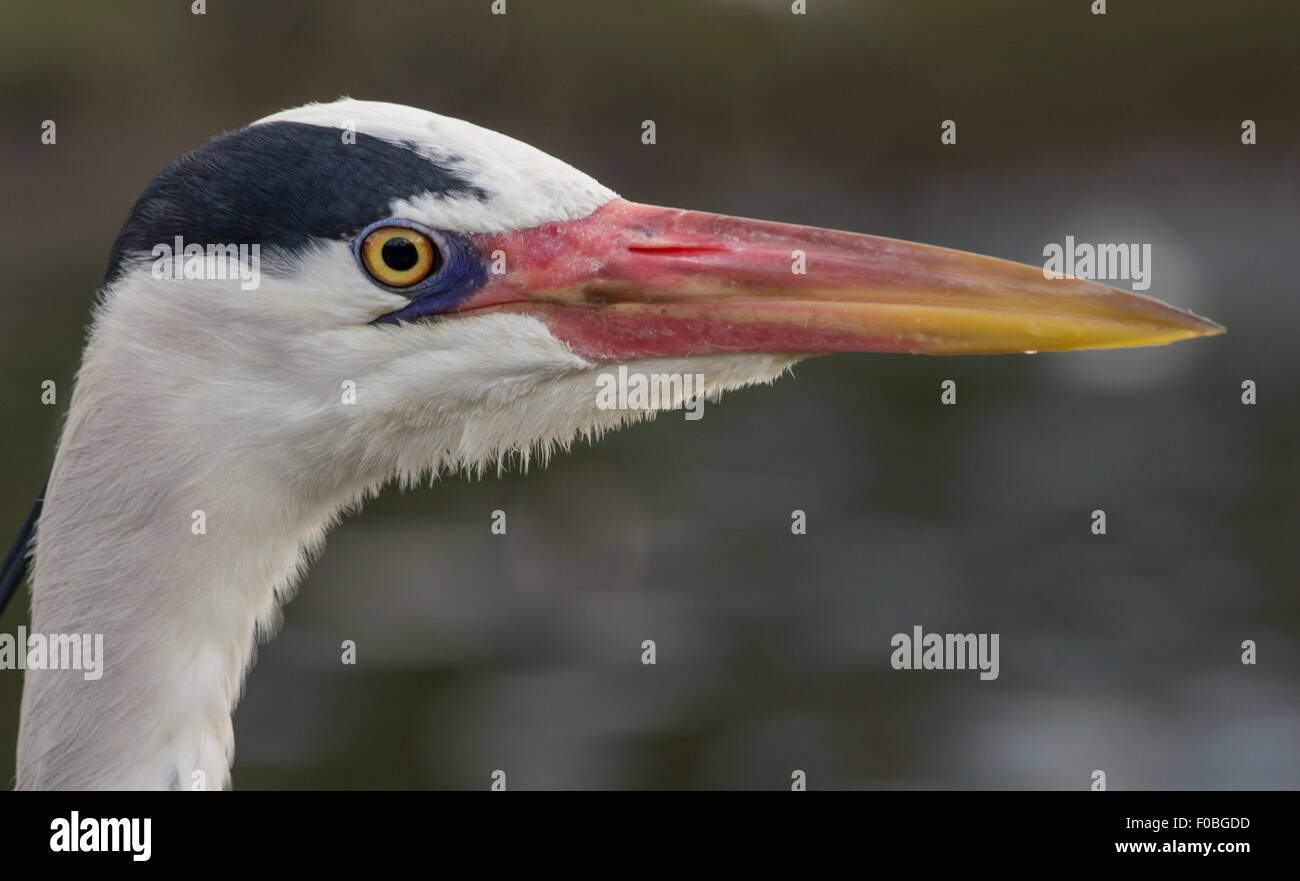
(179, 614)
(118, 555)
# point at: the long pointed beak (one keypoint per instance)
(636, 281)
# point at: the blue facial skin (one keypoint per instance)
(462, 272)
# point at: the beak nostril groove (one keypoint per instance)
(676, 250)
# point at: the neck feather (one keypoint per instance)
(179, 596)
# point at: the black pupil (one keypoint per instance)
(399, 254)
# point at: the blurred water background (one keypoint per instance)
(478, 652)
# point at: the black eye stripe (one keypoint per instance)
(284, 185)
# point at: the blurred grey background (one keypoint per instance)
(478, 652)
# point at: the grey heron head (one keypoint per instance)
(467, 288)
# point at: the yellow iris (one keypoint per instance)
(398, 256)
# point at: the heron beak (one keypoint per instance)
(637, 281)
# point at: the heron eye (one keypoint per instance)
(399, 256)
